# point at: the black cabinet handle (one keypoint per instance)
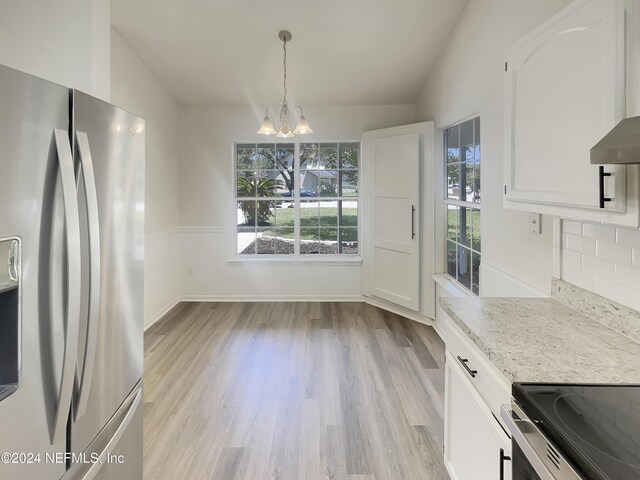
(503, 458)
(601, 176)
(464, 362)
(413, 222)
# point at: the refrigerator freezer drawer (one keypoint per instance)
(116, 453)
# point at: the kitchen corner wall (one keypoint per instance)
(207, 207)
(64, 41)
(468, 80)
(602, 259)
(135, 89)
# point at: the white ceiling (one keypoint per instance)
(343, 52)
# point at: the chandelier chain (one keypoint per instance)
(284, 47)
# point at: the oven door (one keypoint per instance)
(534, 457)
(522, 468)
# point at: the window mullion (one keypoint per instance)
(296, 196)
(460, 203)
(339, 210)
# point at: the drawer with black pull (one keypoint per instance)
(490, 383)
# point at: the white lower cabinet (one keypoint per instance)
(474, 440)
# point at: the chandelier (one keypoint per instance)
(285, 131)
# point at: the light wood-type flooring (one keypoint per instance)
(292, 391)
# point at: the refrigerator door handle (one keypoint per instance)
(91, 195)
(72, 231)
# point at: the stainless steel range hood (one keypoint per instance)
(620, 146)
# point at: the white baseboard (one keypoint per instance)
(161, 313)
(398, 310)
(437, 326)
(272, 298)
(292, 298)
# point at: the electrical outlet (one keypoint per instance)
(535, 223)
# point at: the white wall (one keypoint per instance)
(134, 88)
(64, 41)
(467, 80)
(206, 193)
(101, 49)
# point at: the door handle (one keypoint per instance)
(85, 377)
(601, 175)
(503, 458)
(413, 222)
(464, 362)
(72, 231)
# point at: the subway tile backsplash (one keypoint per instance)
(603, 259)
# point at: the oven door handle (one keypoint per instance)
(534, 444)
(503, 458)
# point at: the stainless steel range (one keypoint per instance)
(574, 432)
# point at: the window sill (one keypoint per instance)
(325, 260)
(451, 286)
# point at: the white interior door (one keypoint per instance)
(392, 258)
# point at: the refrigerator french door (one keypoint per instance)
(71, 266)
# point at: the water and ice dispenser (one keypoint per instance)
(9, 316)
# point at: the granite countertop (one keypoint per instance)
(544, 340)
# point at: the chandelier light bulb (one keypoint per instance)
(302, 127)
(266, 128)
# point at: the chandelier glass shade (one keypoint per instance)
(286, 129)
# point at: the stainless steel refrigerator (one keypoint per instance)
(71, 284)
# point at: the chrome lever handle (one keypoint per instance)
(85, 378)
(72, 230)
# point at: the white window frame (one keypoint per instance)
(296, 257)
(446, 202)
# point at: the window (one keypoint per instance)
(297, 199)
(462, 202)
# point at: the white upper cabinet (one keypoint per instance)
(565, 89)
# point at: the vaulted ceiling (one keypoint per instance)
(343, 52)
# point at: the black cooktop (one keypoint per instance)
(597, 427)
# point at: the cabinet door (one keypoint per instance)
(564, 92)
(473, 437)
